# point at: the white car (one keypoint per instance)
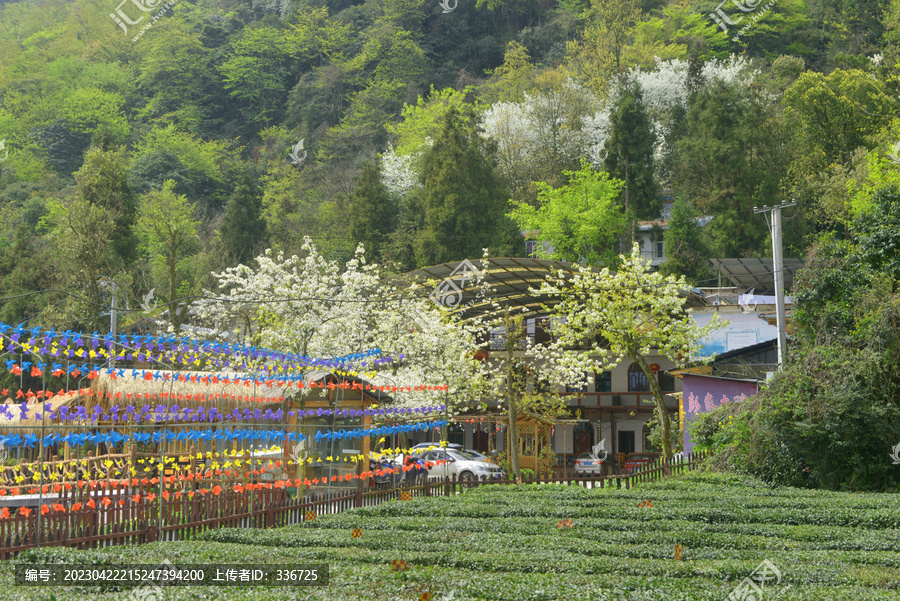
(431, 446)
(460, 464)
(587, 465)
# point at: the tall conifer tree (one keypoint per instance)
(371, 211)
(630, 155)
(103, 182)
(463, 200)
(244, 229)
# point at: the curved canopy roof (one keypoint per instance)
(457, 286)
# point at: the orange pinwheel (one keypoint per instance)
(4, 512)
(26, 511)
(106, 502)
(44, 510)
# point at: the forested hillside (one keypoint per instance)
(156, 156)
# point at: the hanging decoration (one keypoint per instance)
(139, 347)
(155, 414)
(385, 430)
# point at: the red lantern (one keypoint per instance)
(654, 367)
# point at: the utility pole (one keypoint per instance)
(113, 314)
(779, 274)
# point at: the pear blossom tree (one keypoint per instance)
(400, 172)
(625, 314)
(312, 307)
(518, 355)
(568, 123)
(526, 131)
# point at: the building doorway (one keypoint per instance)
(481, 439)
(626, 441)
(583, 438)
(456, 434)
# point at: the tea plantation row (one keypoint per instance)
(504, 543)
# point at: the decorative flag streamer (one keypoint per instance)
(359, 433)
(118, 476)
(93, 371)
(142, 348)
(115, 438)
(156, 414)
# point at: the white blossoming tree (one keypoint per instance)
(626, 314)
(572, 122)
(312, 307)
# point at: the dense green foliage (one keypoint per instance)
(463, 201)
(95, 117)
(243, 228)
(146, 159)
(371, 211)
(581, 220)
(502, 543)
(629, 154)
(833, 417)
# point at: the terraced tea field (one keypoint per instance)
(508, 543)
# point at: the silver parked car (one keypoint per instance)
(587, 465)
(432, 446)
(460, 464)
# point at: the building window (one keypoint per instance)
(637, 379)
(658, 252)
(666, 382)
(603, 382)
(576, 387)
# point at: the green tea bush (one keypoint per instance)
(501, 542)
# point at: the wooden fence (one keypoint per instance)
(144, 513)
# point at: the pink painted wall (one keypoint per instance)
(705, 394)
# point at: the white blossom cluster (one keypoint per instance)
(626, 313)
(400, 172)
(572, 122)
(567, 123)
(666, 86)
(311, 307)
